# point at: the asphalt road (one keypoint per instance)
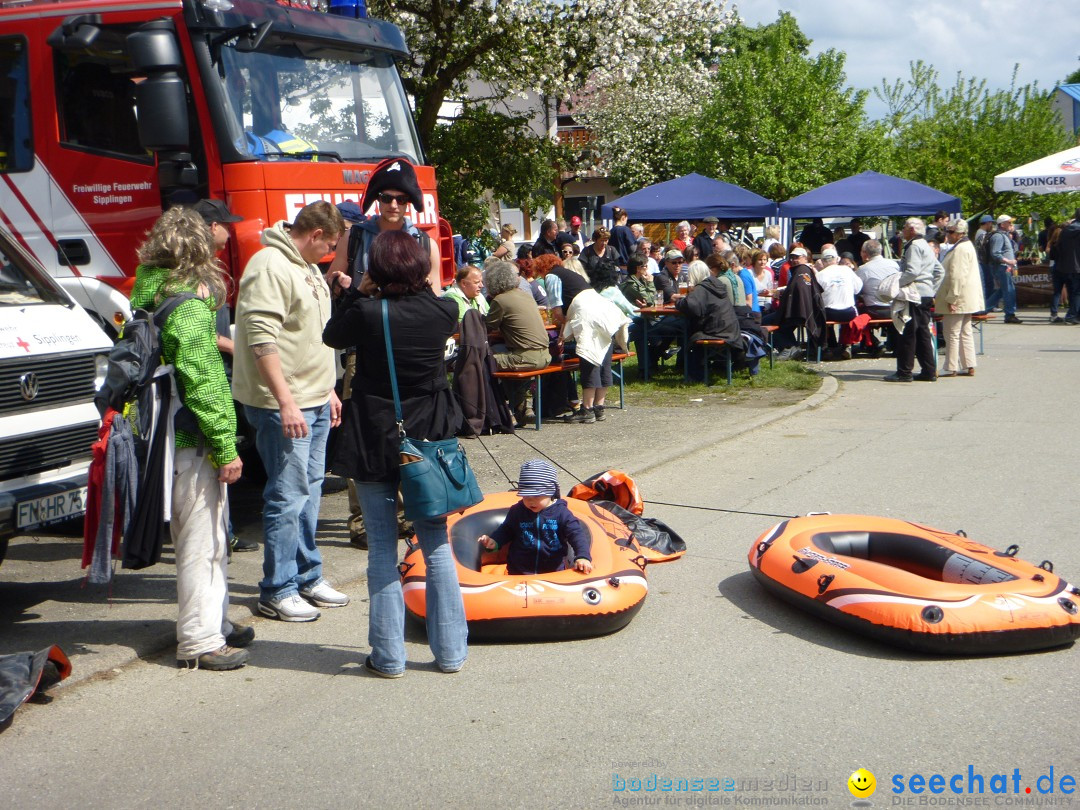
(713, 680)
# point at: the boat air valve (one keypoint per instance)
(1068, 605)
(614, 582)
(591, 596)
(932, 614)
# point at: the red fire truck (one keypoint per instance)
(111, 110)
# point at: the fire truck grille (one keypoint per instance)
(56, 380)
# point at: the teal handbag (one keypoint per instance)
(436, 478)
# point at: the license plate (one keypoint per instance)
(51, 508)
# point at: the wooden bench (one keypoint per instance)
(571, 364)
(869, 325)
(709, 345)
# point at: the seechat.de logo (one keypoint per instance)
(862, 784)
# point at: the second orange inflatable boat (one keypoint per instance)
(916, 587)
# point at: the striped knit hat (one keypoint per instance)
(538, 477)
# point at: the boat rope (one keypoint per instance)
(536, 449)
(718, 509)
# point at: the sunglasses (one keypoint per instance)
(400, 199)
(567, 252)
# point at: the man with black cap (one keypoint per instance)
(394, 186)
(217, 216)
(704, 240)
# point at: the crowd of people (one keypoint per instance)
(564, 296)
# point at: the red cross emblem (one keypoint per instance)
(23, 344)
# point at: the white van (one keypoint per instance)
(52, 360)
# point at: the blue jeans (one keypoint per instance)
(446, 629)
(295, 469)
(1004, 290)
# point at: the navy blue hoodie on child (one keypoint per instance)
(539, 540)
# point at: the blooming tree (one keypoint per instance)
(581, 48)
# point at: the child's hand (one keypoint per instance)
(487, 542)
(583, 565)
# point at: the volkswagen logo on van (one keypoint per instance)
(28, 386)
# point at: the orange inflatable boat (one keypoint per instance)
(916, 587)
(559, 605)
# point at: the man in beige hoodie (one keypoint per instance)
(284, 376)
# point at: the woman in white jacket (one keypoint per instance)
(591, 321)
(959, 295)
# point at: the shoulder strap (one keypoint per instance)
(390, 363)
(165, 309)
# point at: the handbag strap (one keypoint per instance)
(393, 369)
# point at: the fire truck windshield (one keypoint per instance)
(328, 106)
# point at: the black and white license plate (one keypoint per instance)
(51, 508)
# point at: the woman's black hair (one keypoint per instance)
(398, 265)
(604, 274)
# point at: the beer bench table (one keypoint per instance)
(570, 364)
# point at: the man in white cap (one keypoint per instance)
(1002, 260)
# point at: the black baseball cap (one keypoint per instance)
(215, 211)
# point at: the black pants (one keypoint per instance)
(917, 341)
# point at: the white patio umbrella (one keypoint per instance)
(1048, 175)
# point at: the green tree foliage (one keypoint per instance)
(776, 120)
(957, 139)
(481, 150)
(1073, 78)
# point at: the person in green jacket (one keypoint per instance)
(178, 257)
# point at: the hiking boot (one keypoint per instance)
(1012, 319)
(573, 416)
(240, 636)
(598, 412)
(843, 354)
(237, 543)
(585, 416)
(358, 540)
(221, 659)
(322, 595)
(289, 608)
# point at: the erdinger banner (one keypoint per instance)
(1048, 175)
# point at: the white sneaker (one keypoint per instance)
(290, 608)
(322, 595)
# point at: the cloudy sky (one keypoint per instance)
(980, 38)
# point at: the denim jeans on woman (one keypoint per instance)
(446, 629)
(295, 469)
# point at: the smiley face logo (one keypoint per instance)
(862, 784)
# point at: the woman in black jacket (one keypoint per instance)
(367, 450)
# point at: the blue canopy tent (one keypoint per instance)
(692, 197)
(870, 194)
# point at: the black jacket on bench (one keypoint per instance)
(710, 313)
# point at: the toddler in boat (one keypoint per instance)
(540, 527)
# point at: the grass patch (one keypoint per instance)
(784, 384)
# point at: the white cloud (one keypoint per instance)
(983, 39)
